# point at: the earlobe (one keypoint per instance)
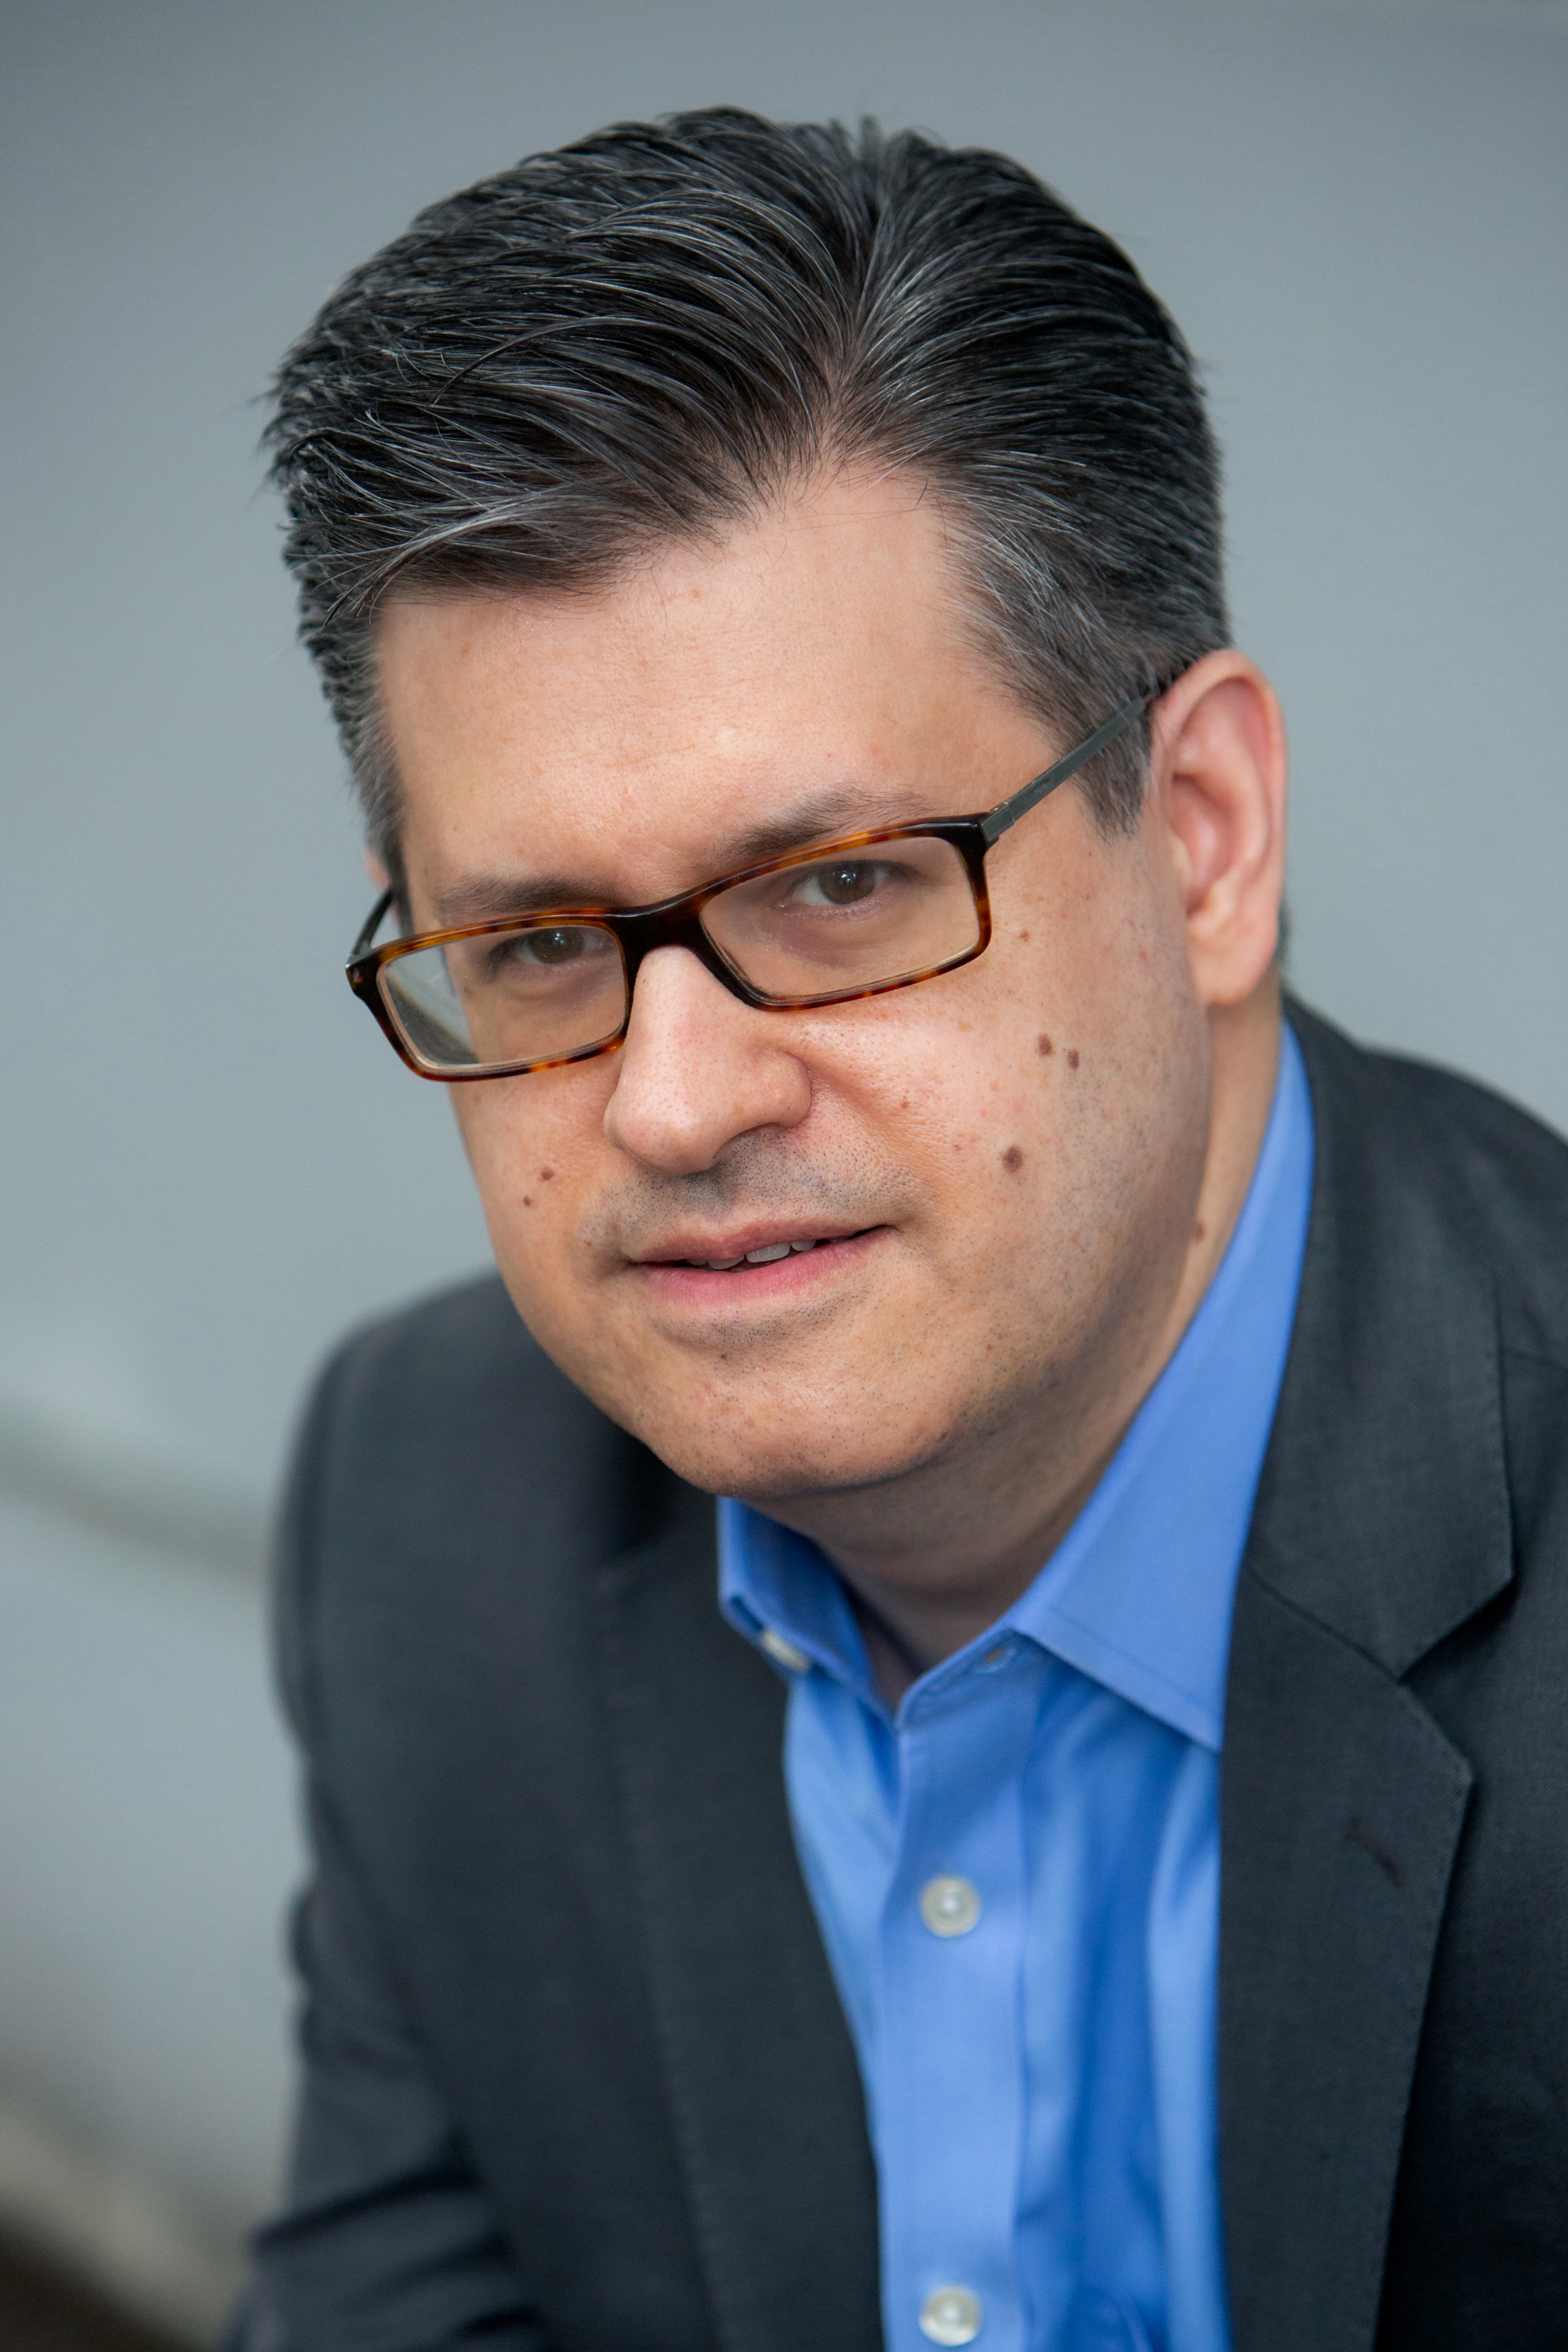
(1218, 760)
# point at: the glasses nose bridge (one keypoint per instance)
(673, 927)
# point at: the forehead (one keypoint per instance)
(823, 647)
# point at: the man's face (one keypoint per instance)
(998, 1168)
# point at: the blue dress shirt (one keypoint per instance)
(1017, 1874)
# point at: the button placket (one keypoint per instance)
(949, 2097)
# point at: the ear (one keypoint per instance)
(377, 871)
(1218, 764)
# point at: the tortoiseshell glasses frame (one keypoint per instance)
(677, 922)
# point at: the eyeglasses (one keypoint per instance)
(857, 916)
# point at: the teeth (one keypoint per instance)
(769, 1257)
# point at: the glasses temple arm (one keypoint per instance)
(374, 922)
(1007, 812)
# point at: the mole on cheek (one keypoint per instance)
(1043, 1044)
(545, 1174)
(527, 1200)
(1012, 1160)
(1072, 1057)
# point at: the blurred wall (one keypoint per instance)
(210, 1164)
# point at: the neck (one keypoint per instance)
(929, 1566)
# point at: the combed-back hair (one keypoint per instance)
(651, 334)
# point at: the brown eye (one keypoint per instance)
(846, 885)
(552, 947)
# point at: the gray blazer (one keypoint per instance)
(575, 2076)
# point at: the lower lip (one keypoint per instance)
(780, 1281)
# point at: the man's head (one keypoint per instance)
(651, 335)
(653, 497)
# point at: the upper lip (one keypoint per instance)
(739, 1242)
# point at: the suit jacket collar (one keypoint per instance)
(764, 2088)
(1382, 1525)
(1383, 1510)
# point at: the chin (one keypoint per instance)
(772, 1475)
(806, 1419)
(764, 1452)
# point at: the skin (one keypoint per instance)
(1022, 1176)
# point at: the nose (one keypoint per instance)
(697, 1068)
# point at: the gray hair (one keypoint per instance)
(648, 334)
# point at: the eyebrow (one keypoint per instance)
(824, 818)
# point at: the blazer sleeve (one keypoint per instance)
(386, 2241)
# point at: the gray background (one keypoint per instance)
(211, 1164)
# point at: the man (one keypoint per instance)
(768, 586)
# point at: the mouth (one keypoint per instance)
(743, 1256)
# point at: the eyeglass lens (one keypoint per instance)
(861, 920)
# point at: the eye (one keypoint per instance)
(528, 959)
(846, 883)
(551, 947)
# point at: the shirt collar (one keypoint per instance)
(1139, 1594)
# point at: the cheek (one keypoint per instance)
(530, 1142)
(1048, 1099)
(979, 1123)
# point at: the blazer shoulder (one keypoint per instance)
(434, 1388)
(470, 1330)
(1495, 1176)
(445, 1467)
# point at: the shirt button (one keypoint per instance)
(951, 2315)
(950, 1907)
(795, 1661)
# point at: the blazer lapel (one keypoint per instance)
(1382, 1525)
(763, 2082)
